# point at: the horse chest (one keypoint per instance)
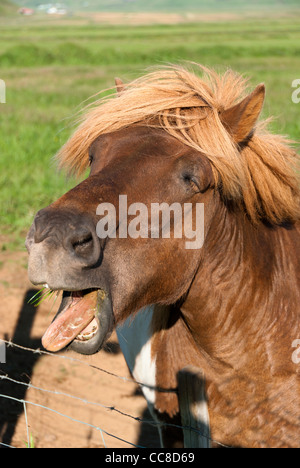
(135, 341)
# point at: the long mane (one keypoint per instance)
(261, 177)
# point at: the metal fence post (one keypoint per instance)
(2, 352)
(193, 408)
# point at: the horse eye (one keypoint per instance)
(186, 177)
(189, 179)
(91, 159)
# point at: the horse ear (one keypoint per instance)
(240, 119)
(120, 86)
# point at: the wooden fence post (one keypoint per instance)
(193, 408)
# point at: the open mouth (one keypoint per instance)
(78, 321)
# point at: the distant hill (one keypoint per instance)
(7, 8)
(168, 5)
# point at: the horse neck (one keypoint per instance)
(247, 281)
(237, 324)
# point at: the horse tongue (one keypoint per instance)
(70, 322)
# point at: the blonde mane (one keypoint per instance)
(260, 176)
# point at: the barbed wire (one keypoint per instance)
(26, 402)
(92, 366)
(6, 377)
(83, 400)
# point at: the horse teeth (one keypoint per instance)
(88, 336)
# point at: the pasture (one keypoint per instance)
(51, 68)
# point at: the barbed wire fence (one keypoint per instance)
(104, 434)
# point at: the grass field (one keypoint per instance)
(173, 5)
(50, 68)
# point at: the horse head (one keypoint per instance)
(159, 143)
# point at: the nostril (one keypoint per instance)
(83, 245)
(62, 229)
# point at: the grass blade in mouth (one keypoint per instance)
(36, 297)
(41, 296)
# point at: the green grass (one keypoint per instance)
(50, 69)
(171, 5)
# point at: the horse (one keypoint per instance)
(190, 136)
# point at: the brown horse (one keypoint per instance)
(230, 307)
